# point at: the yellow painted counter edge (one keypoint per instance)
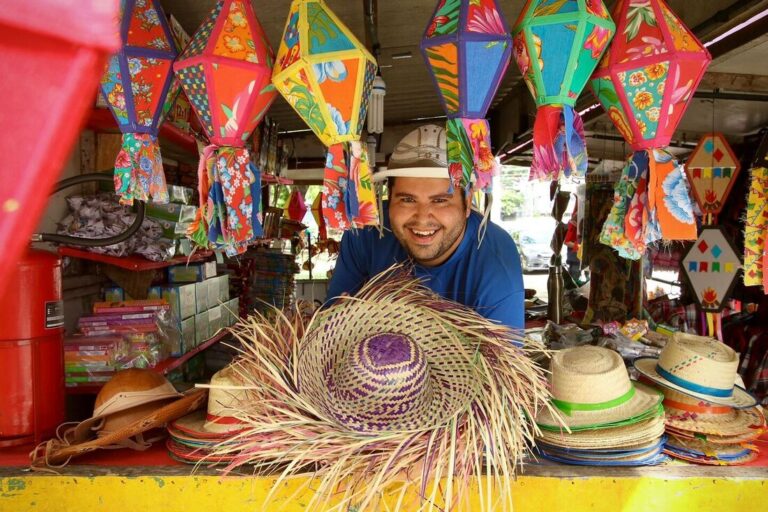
(211, 493)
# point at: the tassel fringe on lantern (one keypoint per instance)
(229, 188)
(651, 202)
(139, 170)
(349, 200)
(558, 143)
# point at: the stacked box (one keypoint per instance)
(213, 292)
(201, 297)
(201, 328)
(194, 272)
(215, 320)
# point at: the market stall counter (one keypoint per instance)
(128, 480)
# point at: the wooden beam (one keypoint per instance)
(734, 82)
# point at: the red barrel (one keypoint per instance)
(32, 400)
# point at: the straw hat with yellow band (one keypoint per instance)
(698, 366)
(592, 389)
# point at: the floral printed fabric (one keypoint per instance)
(229, 192)
(139, 170)
(558, 143)
(349, 200)
(469, 151)
(651, 202)
(756, 230)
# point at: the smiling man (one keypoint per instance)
(434, 228)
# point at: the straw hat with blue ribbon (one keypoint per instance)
(698, 366)
(592, 389)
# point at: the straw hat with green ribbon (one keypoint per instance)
(591, 388)
(392, 385)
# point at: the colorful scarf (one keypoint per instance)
(349, 200)
(558, 143)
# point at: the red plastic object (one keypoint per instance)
(52, 55)
(32, 350)
(133, 262)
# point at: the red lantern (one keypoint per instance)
(225, 72)
(135, 86)
(645, 82)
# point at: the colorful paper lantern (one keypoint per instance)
(326, 75)
(712, 169)
(645, 82)
(225, 72)
(710, 266)
(296, 209)
(135, 86)
(467, 48)
(558, 44)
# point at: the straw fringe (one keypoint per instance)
(286, 435)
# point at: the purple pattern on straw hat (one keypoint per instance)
(700, 367)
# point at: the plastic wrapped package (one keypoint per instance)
(92, 359)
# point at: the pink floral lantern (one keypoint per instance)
(645, 82)
(225, 72)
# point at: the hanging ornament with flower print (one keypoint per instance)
(557, 44)
(225, 72)
(645, 82)
(467, 48)
(326, 75)
(135, 85)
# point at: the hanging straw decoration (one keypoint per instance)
(225, 72)
(557, 47)
(392, 386)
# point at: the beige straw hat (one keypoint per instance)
(416, 374)
(698, 366)
(224, 399)
(709, 454)
(685, 412)
(620, 437)
(591, 387)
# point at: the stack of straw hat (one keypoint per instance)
(610, 420)
(709, 420)
(193, 438)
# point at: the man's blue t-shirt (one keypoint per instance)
(487, 278)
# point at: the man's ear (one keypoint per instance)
(468, 202)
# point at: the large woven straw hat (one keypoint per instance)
(225, 397)
(591, 387)
(685, 412)
(132, 403)
(698, 366)
(414, 375)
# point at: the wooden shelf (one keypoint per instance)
(132, 262)
(101, 119)
(170, 364)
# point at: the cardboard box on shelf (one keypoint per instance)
(223, 288)
(201, 328)
(188, 334)
(214, 320)
(201, 296)
(233, 310)
(213, 292)
(171, 211)
(114, 294)
(182, 299)
(194, 272)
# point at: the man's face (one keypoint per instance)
(427, 220)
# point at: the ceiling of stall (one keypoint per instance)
(738, 75)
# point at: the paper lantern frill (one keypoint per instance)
(645, 82)
(135, 85)
(225, 72)
(326, 75)
(467, 48)
(557, 45)
(712, 169)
